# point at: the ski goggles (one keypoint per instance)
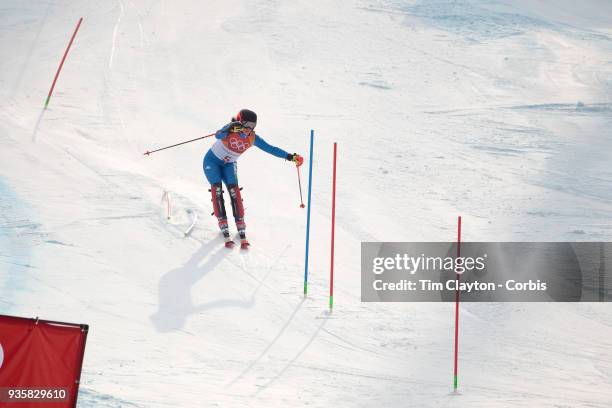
(248, 125)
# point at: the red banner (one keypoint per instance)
(40, 362)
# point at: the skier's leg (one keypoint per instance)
(213, 169)
(219, 206)
(230, 176)
(230, 173)
(237, 208)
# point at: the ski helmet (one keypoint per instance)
(247, 117)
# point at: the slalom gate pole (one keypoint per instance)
(300, 186)
(178, 144)
(62, 62)
(308, 213)
(333, 222)
(455, 376)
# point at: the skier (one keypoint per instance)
(220, 165)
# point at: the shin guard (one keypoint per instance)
(237, 207)
(219, 205)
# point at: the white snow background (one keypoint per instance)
(499, 111)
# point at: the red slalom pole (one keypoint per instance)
(62, 63)
(333, 223)
(455, 376)
(300, 186)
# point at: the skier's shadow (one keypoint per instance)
(175, 300)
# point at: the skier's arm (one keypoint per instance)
(223, 132)
(268, 148)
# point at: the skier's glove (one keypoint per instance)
(234, 126)
(296, 158)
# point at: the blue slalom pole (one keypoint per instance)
(308, 213)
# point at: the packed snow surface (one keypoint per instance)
(498, 111)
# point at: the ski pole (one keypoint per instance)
(178, 144)
(300, 185)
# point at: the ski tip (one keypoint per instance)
(229, 244)
(244, 244)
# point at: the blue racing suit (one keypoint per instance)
(220, 160)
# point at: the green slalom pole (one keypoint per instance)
(456, 367)
(333, 222)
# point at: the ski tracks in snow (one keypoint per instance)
(269, 346)
(302, 320)
(115, 30)
(283, 329)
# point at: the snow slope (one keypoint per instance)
(497, 111)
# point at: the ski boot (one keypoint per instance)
(244, 242)
(238, 210)
(229, 243)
